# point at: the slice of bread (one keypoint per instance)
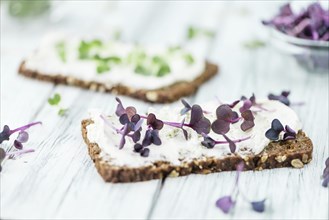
(291, 153)
(161, 95)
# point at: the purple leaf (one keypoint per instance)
(258, 206)
(151, 137)
(272, 134)
(246, 125)
(145, 152)
(225, 204)
(187, 107)
(248, 122)
(327, 162)
(147, 139)
(155, 137)
(120, 109)
(198, 122)
(136, 136)
(220, 126)
(276, 125)
(18, 145)
(289, 130)
(283, 97)
(124, 133)
(138, 147)
(208, 142)
(233, 104)
(154, 122)
(5, 134)
(124, 119)
(22, 137)
(246, 105)
(232, 145)
(224, 112)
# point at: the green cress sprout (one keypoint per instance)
(54, 101)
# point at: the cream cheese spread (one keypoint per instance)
(47, 61)
(175, 149)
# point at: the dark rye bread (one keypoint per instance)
(291, 153)
(162, 95)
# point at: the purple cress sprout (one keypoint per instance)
(22, 137)
(209, 142)
(228, 202)
(275, 130)
(311, 24)
(225, 117)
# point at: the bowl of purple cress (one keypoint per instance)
(304, 35)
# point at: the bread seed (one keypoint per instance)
(152, 96)
(263, 158)
(305, 158)
(281, 159)
(174, 173)
(297, 163)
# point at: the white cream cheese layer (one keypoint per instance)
(46, 60)
(175, 148)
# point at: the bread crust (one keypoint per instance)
(291, 153)
(162, 95)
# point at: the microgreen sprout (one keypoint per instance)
(283, 97)
(227, 203)
(325, 175)
(209, 142)
(188, 58)
(198, 122)
(86, 47)
(22, 138)
(276, 128)
(254, 44)
(54, 101)
(194, 32)
(225, 117)
(61, 50)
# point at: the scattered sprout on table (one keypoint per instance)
(54, 101)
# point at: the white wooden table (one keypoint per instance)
(59, 179)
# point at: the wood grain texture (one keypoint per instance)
(60, 181)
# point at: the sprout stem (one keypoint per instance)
(19, 152)
(23, 128)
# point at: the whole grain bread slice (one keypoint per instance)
(162, 95)
(290, 153)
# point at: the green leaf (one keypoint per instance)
(55, 99)
(102, 67)
(254, 44)
(164, 70)
(62, 111)
(61, 50)
(189, 58)
(193, 32)
(140, 69)
(85, 48)
(174, 49)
